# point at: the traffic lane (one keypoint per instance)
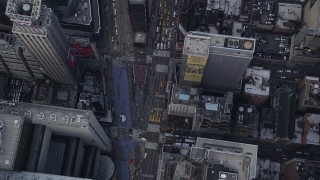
(150, 164)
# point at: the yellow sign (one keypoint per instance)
(195, 68)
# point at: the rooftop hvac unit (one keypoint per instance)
(233, 43)
(315, 127)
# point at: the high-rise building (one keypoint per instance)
(214, 61)
(16, 59)
(7, 175)
(306, 43)
(63, 121)
(41, 33)
(15, 138)
(53, 140)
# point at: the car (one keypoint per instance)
(280, 71)
(278, 149)
(305, 153)
(145, 155)
(287, 71)
(283, 77)
(298, 152)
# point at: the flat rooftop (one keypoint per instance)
(5, 175)
(82, 14)
(196, 45)
(232, 150)
(9, 140)
(288, 11)
(227, 42)
(45, 114)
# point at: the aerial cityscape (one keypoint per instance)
(159, 89)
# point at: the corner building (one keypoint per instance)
(40, 31)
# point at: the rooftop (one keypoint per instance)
(65, 121)
(196, 45)
(82, 13)
(303, 168)
(215, 108)
(227, 153)
(291, 12)
(311, 15)
(230, 7)
(227, 42)
(257, 81)
(309, 92)
(24, 12)
(6, 175)
(10, 132)
(267, 169)
(37, 25)
(311, 129)
(140, 38)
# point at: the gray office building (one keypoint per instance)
(215, 62)
(16, 60)
(41, 33)
(52, 140)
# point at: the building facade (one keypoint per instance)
(16, 60)
(40, 31)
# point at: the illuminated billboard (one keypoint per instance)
(195, 68)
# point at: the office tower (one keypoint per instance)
(63, 121)
(41, 33)
(16, 59)
(70, 139)
(8, 175)
(306, 43)
(215, 61)
(309, 97)
(15, 137)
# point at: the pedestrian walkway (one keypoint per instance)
(121, 97)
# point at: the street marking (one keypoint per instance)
(147, 176)
(153, 128)
(151, 145)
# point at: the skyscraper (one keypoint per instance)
(215, 61)
(40, 31)
(16, 60)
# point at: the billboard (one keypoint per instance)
(195, 68)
